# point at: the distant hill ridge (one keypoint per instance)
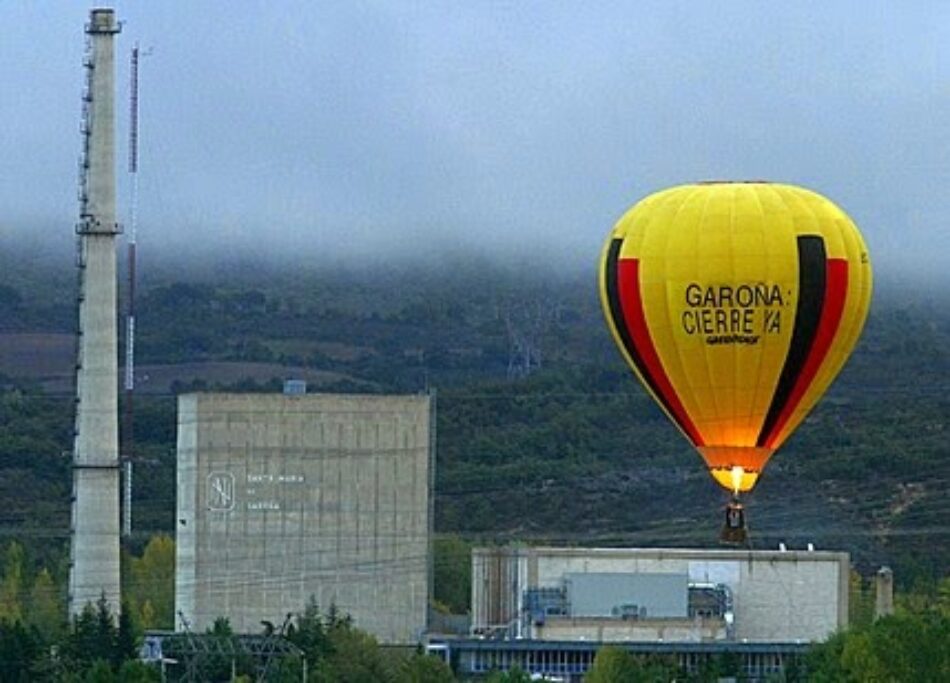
(544, 435)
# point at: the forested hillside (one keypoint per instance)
(543, 434)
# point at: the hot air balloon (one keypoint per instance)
(736, 305)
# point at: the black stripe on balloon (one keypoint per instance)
(620, 324)
(811, 299)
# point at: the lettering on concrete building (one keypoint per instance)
(267, 492)
(263, 505)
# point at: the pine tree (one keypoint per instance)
(310, 633)
(106, 635)
(138, 672)
(147, 615)
(613, 664)
(46, 610)
(19, 648)
(93, 635)
(152, 580)
(421, 668)
(82, 644)
(125, 638)
(11, 587)
(100, 672)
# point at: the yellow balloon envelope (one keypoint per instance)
(736, 305)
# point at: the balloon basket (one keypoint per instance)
(734, 528)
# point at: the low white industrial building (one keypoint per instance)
(658, 594)
(284, 497)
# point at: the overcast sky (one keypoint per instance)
(341, 128)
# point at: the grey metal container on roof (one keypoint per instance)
(625, 595)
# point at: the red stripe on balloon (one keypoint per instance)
(836, 290)
(628, 275)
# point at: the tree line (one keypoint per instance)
(38, 643)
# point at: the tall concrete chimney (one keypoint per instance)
(94, 552)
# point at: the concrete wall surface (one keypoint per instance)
(281, 498)
(777, 596)
(613, 630)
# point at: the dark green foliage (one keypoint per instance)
(148, 584)
(219, 667)
(336, 651)
(721, 665)
(106, 631)
(93, 648)
(34, 299)
(570, 452)
(452, 565)
(309, 633)
(860, 600)
(514, 675)
(138, 672)
(84, 644)
(125, 638)
(898, 648)
(46, 609)
(20, 646)
(422, 668)
(94, 636)
(556, 456)
(613, 664)
(355, 658)
(35, 430)
(99, 672)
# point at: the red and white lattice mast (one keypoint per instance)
(128, 429)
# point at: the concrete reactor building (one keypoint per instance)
(549, 610)
(284, 497)
(659, 594)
